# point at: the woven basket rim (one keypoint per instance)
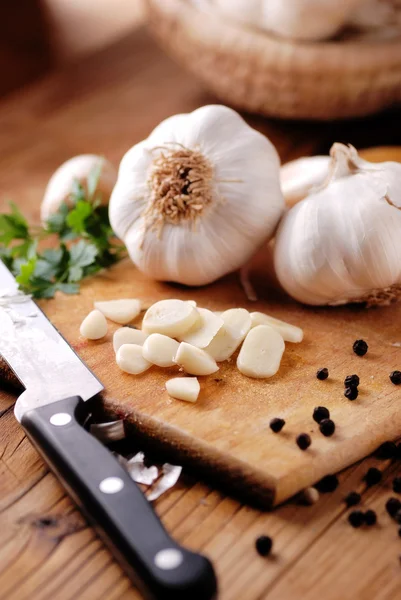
(214, 28)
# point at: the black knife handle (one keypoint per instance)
(115, 504)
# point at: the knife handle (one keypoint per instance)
(108, 496)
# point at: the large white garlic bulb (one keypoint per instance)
(78, 168)
(196, 198)
(343, 243)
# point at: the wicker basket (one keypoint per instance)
(261, 73)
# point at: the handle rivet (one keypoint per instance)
(60, 419)
(111, 485)
(167, 559)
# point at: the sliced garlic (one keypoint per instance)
(289, 333)
(237, 323)
(130, 359)
(120, 311)
(202, 333)
(183, 388)
(170, 317)
(128, 335)
(195, 360)
(261, 352)
(160, 350)
(94, 326)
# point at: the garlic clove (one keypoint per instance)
(128, 335)
(192, 303)
(60, 184)
(237, 323)
(261, 352)
(130, 359)
(94, 326)
(183, 388)
(170, 317)
(195, 360)
(160, 350)
(289, 333)
(299, 177)
(120, 311)
(202, 333)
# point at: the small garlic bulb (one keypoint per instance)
(342, 243)
(197, 198)
(58, 189)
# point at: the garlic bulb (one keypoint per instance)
(342, 243)
(295, 19)
(300, 176)
(58, 189)
(196, 198)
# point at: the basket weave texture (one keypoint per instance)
(260, 73)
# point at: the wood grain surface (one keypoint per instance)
(105, 104)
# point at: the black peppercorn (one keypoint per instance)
(356, 518)
(370, 517)
(264, 545)
(393, 505)
(327, 427)
(397, 485)
(360, 347)
(320, 413)
(351, 392)
(351, 380)
(352, 499)
(303, 440)
(276, 424)
(395, 377)
(327, 484)
(372, 476)
(322, 373)
(386, 451)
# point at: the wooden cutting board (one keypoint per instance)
(226, 434)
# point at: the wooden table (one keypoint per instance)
(105, 104)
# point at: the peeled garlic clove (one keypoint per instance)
(261, 352)
(130, 359)
(202, 333)
(79, 168)
(183, 388)
(299, 177)
(237, 323)
(195, 360)
(170, 317)
(289, 333)
(128, 335)
(94, 326)
(120, 311)
(160, 350)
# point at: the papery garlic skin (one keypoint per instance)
(343, 243)
(213, 225)
(79, 167)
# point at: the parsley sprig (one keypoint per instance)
(84, 245)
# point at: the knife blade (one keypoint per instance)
(52, 411)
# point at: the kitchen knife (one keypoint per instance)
(52, 410)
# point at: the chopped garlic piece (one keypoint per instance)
(160, 350)
(128, 335)
(195, 360)
(237, 323)
(94, 326)
(183, 388)
(261, 352)
(290, 333)
(170, 317)
(120, 311)
(129, 358)
(202, 333)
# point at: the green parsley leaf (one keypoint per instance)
(76, 219)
